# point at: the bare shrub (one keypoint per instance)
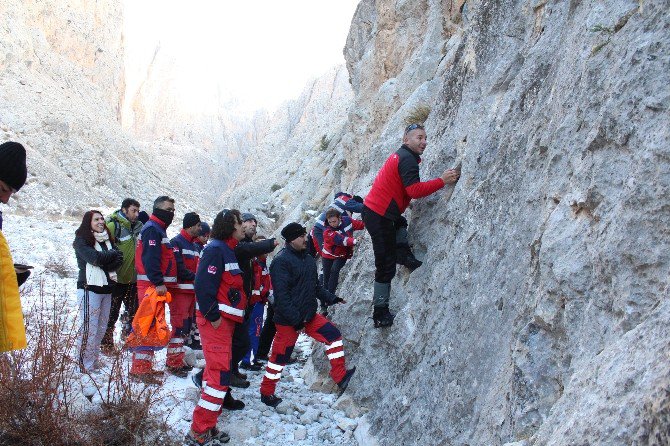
(59, 266)
(34, 392)
(41, 401)
(418, 115)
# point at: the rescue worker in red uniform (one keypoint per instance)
(296, 289)
(221, 302)
(187, 253)
(396, 184)
(338, 245)
(156, 267)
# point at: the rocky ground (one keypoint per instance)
(310, 414)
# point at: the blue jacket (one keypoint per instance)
(296, 287)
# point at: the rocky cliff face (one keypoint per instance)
(541, 313)
(61, 94)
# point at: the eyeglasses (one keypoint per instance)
(413, 127)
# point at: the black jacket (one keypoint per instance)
(296, 287)
(104, 259)
(245, 251)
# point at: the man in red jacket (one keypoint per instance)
(396, 184)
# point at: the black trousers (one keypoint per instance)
(331, 272)
(383, 234)
(126, 294)
(241, 343)
(267, 333)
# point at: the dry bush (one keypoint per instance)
(34, 395)
(418, 115)
(41, 401)
(59, 266)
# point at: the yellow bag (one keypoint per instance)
(12, 330)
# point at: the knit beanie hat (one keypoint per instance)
(13, 164)
(190, 219)
(204, 228)
(292, 231)
(248, 216)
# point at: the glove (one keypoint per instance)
(357, 198)
(22, 277)
(106, 257)
(116, 262)
(299, 326)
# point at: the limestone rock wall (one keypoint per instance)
(540, 314)
(61, 95)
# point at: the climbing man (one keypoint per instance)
(296, 290)
(396, 184)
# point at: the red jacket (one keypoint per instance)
(219, 288)
(397, 182)
(154, 259)
(262, 283)
(339, 243)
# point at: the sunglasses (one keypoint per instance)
(413, 127)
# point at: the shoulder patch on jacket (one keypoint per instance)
(211, 269)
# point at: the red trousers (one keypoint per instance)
(181, 309)
(320, 329)
(217, 348)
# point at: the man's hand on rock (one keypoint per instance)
(450, 176)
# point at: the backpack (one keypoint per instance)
(150, 329)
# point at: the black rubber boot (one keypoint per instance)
(382, 317)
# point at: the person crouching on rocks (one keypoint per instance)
(220, 304)
(98, 260)
(296, 290)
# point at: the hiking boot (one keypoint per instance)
(270, 400)
(197, 379)
(230, 403)
(253, 366)
(412, 263)
(235, 381)
(150, 379)
(382, 317)
(179, 372)
(405, 257)
(239, 374)
(344, 382)
(212, 437)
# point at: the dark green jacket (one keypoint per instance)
(125, 236)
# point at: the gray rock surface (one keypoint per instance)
(539, 315)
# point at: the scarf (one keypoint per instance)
(94, 274)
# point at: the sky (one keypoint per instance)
(258, 53)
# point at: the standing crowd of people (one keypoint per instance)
(218, 285)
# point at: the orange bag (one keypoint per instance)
(150, 329)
